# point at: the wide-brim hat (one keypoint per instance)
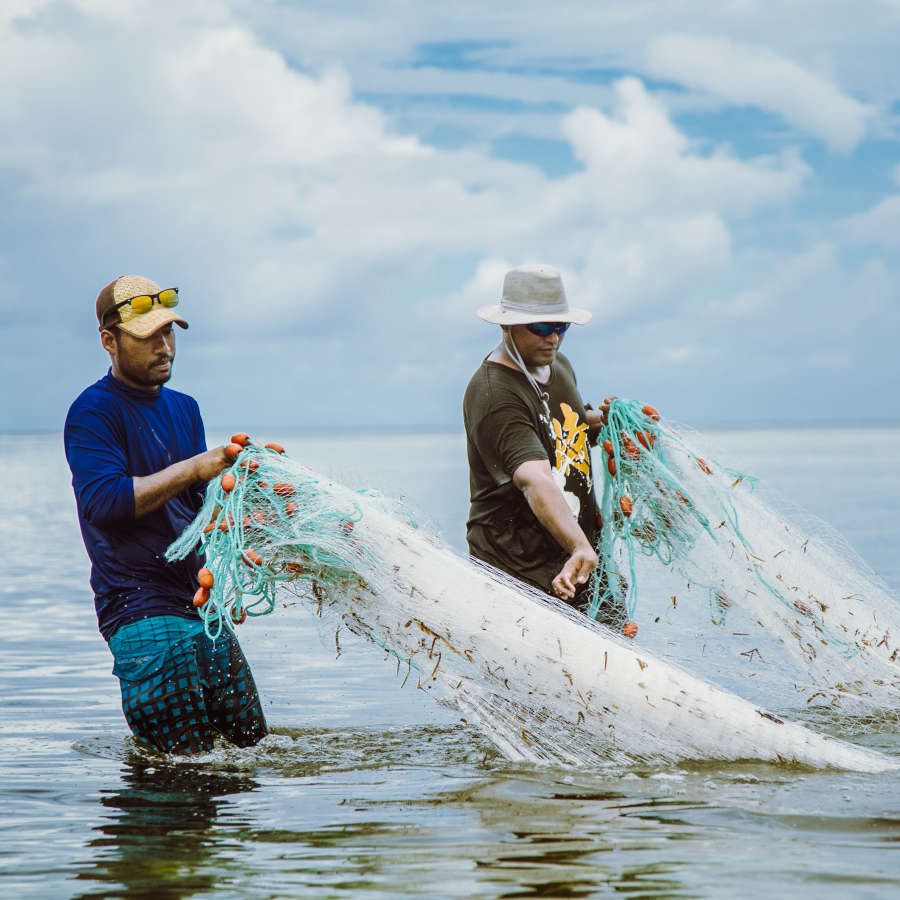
(126, 287)
(533, 294)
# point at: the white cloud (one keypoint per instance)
(877, 227)
(310, 235)
(522, 52)
(482, 288)
(639, 160)
(745, 74)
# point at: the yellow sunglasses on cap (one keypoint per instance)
(143, 303)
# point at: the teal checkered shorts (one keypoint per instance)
(179, 688)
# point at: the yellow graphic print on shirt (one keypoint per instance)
(572, 450)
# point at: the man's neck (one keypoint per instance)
(500, 354)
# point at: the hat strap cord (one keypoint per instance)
(543, 396)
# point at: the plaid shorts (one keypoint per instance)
(179, 688)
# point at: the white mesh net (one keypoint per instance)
(740, 613)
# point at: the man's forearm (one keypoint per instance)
(152, 491)
(552, 511)
(547, 502)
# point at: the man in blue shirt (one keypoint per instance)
(137, 451)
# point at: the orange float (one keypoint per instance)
(630, 447)
(251, 558)
(205, 578)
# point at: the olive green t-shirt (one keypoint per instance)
(505, 427)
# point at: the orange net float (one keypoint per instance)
(631, 449)
(252, 558)
(205, 578)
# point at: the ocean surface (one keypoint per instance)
(367, 789)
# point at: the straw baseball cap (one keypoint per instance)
(533, 294)
(125, 287)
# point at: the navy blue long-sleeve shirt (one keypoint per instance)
(113, 433)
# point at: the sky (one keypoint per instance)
(335, 187)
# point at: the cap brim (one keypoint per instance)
(499, 316)
(144, 325)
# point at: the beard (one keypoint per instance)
(147, 376)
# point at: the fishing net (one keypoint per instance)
(542, 681)
(738, 588)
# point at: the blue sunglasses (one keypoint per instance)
(545, 329)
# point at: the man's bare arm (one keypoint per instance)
(544, 497)
(152, 491)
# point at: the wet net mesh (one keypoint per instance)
(746, 619)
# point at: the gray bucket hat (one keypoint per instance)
(533, 294)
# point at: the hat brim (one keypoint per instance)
(144, 325)
(497, 315)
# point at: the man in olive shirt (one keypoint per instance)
(533, 511)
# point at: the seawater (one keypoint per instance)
(369, 789)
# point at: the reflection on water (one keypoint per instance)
(156, 839)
